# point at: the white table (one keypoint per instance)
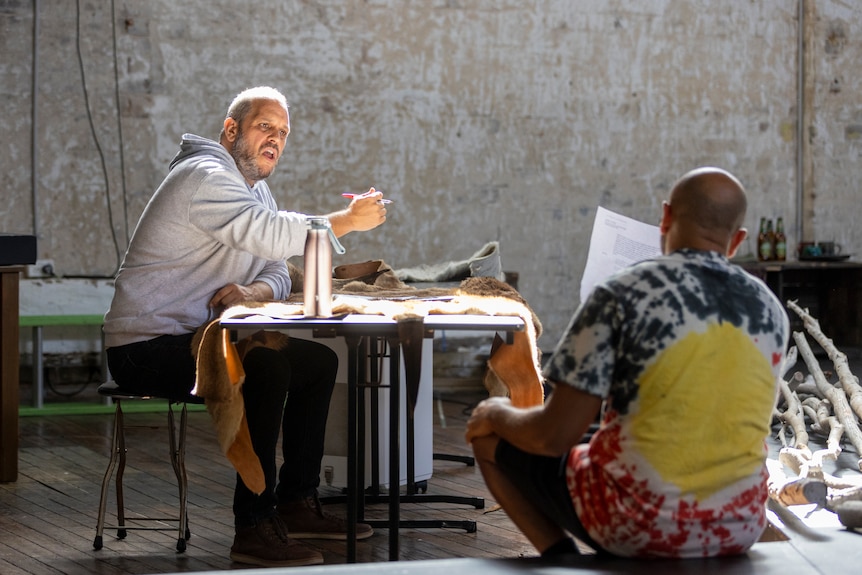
(404, 338)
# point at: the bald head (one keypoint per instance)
(705, 211)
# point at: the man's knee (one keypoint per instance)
(312, 360)
(485, 447)
(267, 374)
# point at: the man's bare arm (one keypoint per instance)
(550, 429)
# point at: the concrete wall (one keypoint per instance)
(506, 120)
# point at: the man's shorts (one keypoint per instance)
(542, 480)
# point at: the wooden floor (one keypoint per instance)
(48, 517)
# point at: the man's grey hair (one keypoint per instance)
(242, 103)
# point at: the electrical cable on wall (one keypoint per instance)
(95, 135)
(121, 141)
(34, 124)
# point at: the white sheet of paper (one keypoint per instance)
(617, 242)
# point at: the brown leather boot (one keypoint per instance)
(266, 544)
(306, 520)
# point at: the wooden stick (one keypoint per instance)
(849, 382)
(850, 513)
(790, 360)
(793, 416)
(793, 490)
(835, 395)
(841, 496)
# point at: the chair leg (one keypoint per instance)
(184, 481)
(178, 448)
(117, 465)
(116, 441)
(121, 468)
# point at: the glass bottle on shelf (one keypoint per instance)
(780, 241)
(770, 238)
(764, 248)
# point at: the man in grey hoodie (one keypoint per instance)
(210, 237)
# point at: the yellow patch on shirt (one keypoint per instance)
(703, 410)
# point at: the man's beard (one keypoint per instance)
(246, 160)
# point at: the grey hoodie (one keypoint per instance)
(203, 229)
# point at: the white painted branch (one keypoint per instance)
(849, 382)
(793, 490)
(793, 417)
(835, 395)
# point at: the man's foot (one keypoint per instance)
(306, 520)
(266, 544)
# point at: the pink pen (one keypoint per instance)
(382, 201)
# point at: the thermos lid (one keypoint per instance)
(318, 222)
(322, 223)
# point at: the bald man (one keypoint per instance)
(678, 357)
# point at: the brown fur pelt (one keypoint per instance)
(513, 369)
(370, 278)
(219, 378)
(383, 283)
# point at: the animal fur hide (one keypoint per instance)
(218, 379)
(513, 368)
(484, 263)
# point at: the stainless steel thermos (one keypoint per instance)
(317, 285)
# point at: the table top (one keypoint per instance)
(377, 324)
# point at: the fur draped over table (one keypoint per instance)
(513, 369)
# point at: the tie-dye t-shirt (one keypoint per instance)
(686, 350)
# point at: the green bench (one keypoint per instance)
(60, 302)
(36, 323)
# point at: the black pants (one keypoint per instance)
(543, 480)
(287, 391)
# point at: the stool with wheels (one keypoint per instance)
(176, 440)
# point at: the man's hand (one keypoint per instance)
(233, 294)
(550, 429)
(364, 213)
(480, 423)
